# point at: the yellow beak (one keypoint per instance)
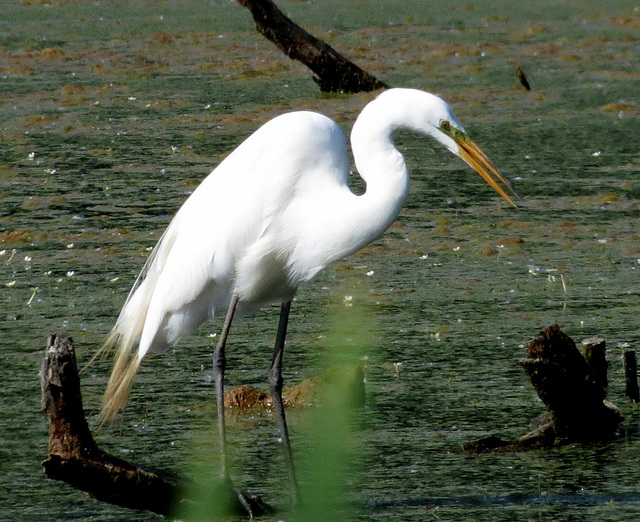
(478, 161)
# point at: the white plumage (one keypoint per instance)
(273, 214)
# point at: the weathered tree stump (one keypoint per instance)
(334, 72)
(573, 389)
(595, 353)
(74, 456)
(562, 379)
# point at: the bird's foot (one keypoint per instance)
(240, 503)
(253, 505)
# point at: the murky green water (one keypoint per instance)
(111, 114)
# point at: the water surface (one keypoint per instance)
(113, 112)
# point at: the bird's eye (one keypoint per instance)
(445, 126)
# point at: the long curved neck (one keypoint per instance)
(382, 168)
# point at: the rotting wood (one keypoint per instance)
(542, 437)
(573, 389)
(75, 458)
(595, 353)
(334, 72)
(561, 377)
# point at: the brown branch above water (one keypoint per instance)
(74, 456)
(334, 72)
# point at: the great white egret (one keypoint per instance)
(273, 214)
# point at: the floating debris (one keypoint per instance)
(522, 78)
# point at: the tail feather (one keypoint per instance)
(123, 339)
(124, 370)
(125, 335)
(126, 365)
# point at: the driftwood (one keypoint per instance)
(334, 72)
(75, 458)
(572, 386)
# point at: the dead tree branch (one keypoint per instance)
(74, 456)
(334, 72)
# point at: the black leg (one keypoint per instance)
(243, 503)
(219, 365)
(275, 382)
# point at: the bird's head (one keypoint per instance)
(451, 134)
(428, 114)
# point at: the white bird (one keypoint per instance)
(273, 214)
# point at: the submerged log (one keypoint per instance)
(75, 458)
(334, 72)
(542, 437)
